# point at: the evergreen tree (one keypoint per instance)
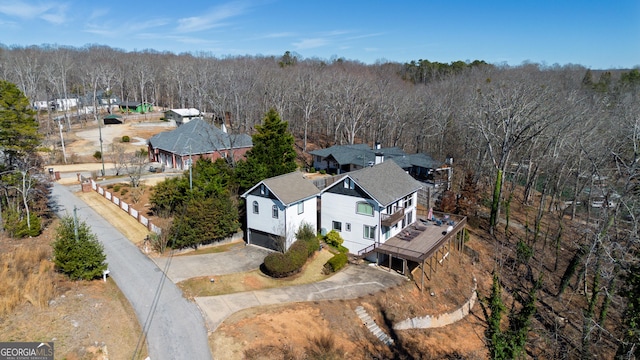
(18, 128)
(629, 347)
(80, 256)
(273, 152)
(204, 220)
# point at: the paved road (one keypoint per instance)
(174, 326)
(352, 282)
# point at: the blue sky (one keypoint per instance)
(598, 34)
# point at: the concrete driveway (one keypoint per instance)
(352, 282)
(239, 259)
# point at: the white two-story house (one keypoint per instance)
(370, 205)
(277, 207)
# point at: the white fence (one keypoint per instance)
(125, 207)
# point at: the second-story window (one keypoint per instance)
(364, 208)
(256, 207)
(274, 211)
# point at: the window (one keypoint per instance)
(264, 190)
(300, 208)
(336, 225)
(256, 208)
(274, 211)
(408, 201)
(347, 226)
(364, 208)
(349, 184)
(369, 232)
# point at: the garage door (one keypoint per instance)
(263, 239)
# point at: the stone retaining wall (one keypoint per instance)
(436, 321)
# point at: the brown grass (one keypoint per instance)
(28, 276)
(254, 280)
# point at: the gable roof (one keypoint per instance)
(198, 137)
(362, 155)
(186, 112)
(288, 188)
(385, 182)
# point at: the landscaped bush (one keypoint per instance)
(126, 139)
(334, 239)
(336, 263)
(280, 265)
(97, 155)
(116, 188)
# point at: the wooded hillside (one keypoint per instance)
(567, 136)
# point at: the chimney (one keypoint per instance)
(379, 158)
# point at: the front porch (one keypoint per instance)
(421, 244)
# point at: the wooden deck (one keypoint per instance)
(423, 239)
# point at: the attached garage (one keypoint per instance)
(263, 239)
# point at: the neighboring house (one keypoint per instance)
(370, 205)
(193, 140)
(340, 159)
(276, 207)
(182, 116)
(135, 106)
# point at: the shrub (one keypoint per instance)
(280, 265)
(333, 238)
(126, 139)
(97, 155)
(312, 170)
(124, 191)
(337, 262)
(17, 226)
(81, 256)
(323, 171)
(116, 188)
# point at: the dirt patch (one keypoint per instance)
(84, 319)
(269, 332)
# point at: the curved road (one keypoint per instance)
(174, 326)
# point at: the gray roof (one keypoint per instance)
(289, 188)
(198, 137)
(362, 154)
(385, 182)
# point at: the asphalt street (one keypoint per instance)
(174, 327)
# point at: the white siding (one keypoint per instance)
(343, 209)
(264, 220)
(288, 221)
(294, 220)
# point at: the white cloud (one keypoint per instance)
(311, 43)
(214, 18)
(52, 12)
(278, 35)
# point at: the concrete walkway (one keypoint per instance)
(239, 259)
(352, 282)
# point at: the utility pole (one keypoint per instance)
(101, 152)
(75, 222)
(64, 153)
(190, 171)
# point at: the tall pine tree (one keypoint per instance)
(273, 152)
(18, 128)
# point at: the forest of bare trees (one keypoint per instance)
(567, 134)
